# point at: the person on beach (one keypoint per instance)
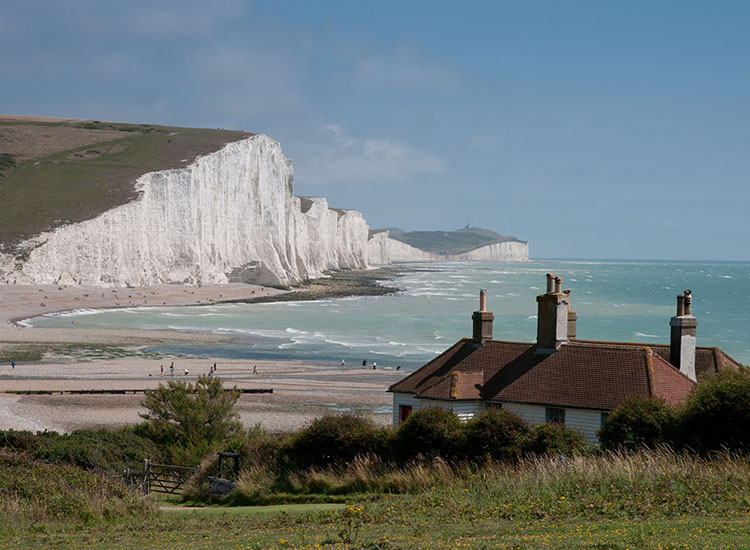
(374, 365)
(364, 362)
(187, 372)
(255, 369)
(171, 369)
(214, 367)
(12, 365)
(343, 362)
(161, 370)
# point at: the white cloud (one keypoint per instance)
(337, 157)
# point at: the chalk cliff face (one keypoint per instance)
(230, 215)
(511, 251)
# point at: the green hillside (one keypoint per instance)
(450, 242)
(54, 171)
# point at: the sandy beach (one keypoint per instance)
(301, 391)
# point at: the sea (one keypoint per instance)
(629, 301)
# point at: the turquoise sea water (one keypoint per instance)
(615, 300)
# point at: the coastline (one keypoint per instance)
(91, 359)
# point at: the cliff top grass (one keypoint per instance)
(59, 171)
(450, 242)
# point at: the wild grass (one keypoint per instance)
(607, 485)
(34, 493)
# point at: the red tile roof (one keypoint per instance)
(581, 374)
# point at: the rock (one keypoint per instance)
(219, 488)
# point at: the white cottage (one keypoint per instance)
(559, 378)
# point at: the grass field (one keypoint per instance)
(645, 501)
(384, 525)
(66, 172)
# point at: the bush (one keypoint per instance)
(109, 451)
(429, 432)
(639, 423)
(495, 433)
(191, 421)
(553, 439)
(717, 413)
(334, 440)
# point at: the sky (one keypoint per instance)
(592, 129)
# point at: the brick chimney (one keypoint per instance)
(552, 317)
(572, 318)
(682, 341)
(482, 320)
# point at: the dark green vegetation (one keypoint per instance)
(450, 242)
(53, 173)
(104, 451)
(336, 456)
(716, 417)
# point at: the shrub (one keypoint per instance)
(429, 432)
(495, 433)
(31, 492)
(191, 420)
(333, 440)
(18, 440)
(109, 451)
(639, 423)
(717, 413)
(553, 439)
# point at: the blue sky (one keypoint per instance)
(593, 129)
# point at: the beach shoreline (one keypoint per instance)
(302, 390)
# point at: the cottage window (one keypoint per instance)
(555, 415)
(403, 412)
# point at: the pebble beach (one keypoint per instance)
(301, 392)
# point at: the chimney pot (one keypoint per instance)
(550, 282)
(688, 302)
(558, 285)
(680, 305)
(482, 300)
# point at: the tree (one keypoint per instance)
(191, 420)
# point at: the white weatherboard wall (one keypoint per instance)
(230, 210)
(586, 421)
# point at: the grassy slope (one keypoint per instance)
(40, 193)
(450, 242)
(643, 501)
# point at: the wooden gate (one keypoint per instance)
(159, 478)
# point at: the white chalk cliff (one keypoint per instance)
(230, 215)
(509, 251)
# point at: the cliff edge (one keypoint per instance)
(228, 216)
